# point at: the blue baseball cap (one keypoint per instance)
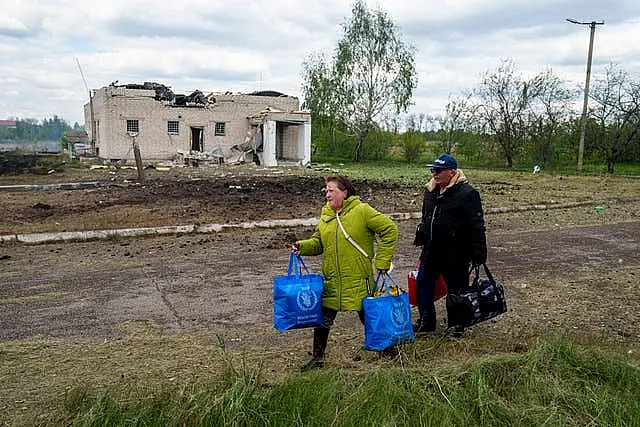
(445, 161)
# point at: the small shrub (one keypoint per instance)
(414, 146)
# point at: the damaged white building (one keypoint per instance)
(264, 127)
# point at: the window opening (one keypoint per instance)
(133, 126)
(173, 127)
(220, 129)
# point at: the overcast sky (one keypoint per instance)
(248, 45)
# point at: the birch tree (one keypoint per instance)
(371, 74)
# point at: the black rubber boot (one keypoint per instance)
(425, 324)
(320, 338)
(458, 331)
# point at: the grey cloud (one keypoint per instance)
(535, 19)
(15, 34)
(216, 77)
(210, 73)
(19, 33)
(222, 31)
(128, 27)
(20, 28)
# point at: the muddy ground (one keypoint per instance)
(573, 271)
(87, 289)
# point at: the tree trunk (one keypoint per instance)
(357, 153)
(509, 161)
(362, 135)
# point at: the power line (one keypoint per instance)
(82, 75)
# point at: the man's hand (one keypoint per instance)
(478, 261)
(295, 248)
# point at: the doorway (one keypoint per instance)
(280, 128)
(197, 139)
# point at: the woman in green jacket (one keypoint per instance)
(345, 235)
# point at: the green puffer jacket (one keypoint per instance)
(348, 275)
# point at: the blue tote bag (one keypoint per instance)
(297, 297)
(387, 317)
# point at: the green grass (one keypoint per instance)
(632, 169)
(400, 171)
(555, 383)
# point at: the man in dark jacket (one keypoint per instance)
(452, 237)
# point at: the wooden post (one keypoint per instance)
(136, 153)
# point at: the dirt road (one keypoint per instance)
(577, 277)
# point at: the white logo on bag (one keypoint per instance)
(398, 315)
(307, 299)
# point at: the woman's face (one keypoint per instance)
(334, 195)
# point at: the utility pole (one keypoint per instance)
(93, 123)
(583, 120)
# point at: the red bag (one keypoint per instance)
(441, 286)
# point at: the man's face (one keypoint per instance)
(442, 177)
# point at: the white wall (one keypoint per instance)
(114, 105)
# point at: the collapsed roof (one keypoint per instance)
(196, 98)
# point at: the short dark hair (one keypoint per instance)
(343, 183)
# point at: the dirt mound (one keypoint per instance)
(185, 200)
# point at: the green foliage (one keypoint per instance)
(627, 168)
(554, 383)
(50, 129)
(398, 170)
(378, 144)
(330, 138)
(18, 162)
(372, 73)
(388, 170)
(413, 145)
(507, 122)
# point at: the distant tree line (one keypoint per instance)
(30, 130)
(357, 96)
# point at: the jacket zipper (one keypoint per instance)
(433, 217)
(338, 267)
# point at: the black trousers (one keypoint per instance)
(455, 276)
(321, 334)
(329, 315)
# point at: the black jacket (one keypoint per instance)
(453, 227)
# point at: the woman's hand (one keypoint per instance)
(385, 270)
(295, 248)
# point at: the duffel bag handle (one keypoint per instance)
(476, 267)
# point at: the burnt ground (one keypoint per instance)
(572, 271)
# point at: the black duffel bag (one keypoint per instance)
(482, 300)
